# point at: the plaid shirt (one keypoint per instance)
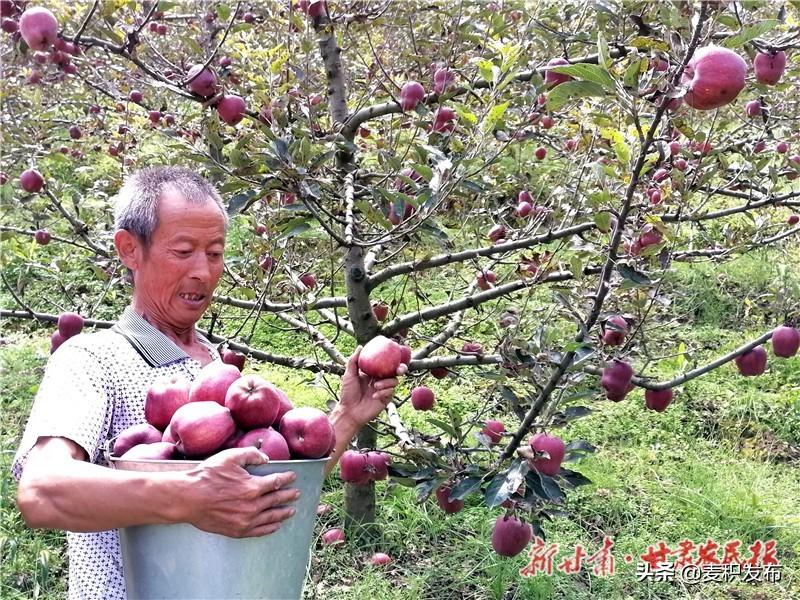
(93, 388)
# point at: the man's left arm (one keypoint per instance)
(361, 399)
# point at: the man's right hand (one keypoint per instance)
(224, 498)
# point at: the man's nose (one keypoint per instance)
(201, 267)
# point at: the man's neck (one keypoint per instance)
(183, 337)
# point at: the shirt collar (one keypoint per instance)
(153, 346)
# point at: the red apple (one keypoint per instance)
(554, 446)
(333, 537)
(143, 433)
(793, 219)
(212, 382)
(614, 331)
(165, 395)
(202, 82)
(443, 79)
(308, 280)
(422, 398)
(31, 181)
(38, 27)
(510, 535)
(231, 357)
(135, 96)
(354, 467)
(379, 559)
(201, 428)
(69, 324)
(42, 237)
(378, 465)
(496, 233)
(75, 132)
(411, 94)
(266, 263)
(253, 402)
(769, 67)
(9, 25)
(152, 451)
(486, 279)
(284, 407)
(781, 147)
(439, 372)
(655, 196)
(493, 429)
(231, 109)
(547, 122)
(380, 357)
(308, 432)
(540, 153)
(445, 503)
(551, 78)
(154, 116)
(443, 120)
(616, 380)
(167, 436)
(380, 310)
(753, 108)
(785, 341)
(680, 164)
(523, 209)
(714, 77)
(650, 236)
(249, 17)
(753, 362)
(674, 148)
(405, 354)
(56, 339)
(266, 439)
(657, 400)
(472, 348)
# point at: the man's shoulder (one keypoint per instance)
(100, 343)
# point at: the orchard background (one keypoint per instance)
(496, 223)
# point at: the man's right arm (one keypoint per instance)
(59, 489)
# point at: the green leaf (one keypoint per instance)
(750, 33)
(564, 92)
(588, 72)
(446, 427)
(485, 68)
(630, 79)
(239, 201)
(602, 220)
(633, 275)
(495, 116)
(506, 483)
(465, 487)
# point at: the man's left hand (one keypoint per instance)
(362, 398)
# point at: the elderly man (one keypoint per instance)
(170, 234)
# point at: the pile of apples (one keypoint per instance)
(223, 409)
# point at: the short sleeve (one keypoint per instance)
(73, 401)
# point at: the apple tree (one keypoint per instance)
(501, 186)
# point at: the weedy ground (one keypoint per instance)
(721, 463)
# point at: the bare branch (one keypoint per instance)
(316, 336)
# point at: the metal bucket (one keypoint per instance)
(181, 561)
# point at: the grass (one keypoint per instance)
(720, 463)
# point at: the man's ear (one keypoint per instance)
(128, 248)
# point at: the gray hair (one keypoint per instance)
(136, 207)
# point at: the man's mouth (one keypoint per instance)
(193, 297)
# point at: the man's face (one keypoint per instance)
(175, 278)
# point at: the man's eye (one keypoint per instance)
(215, 255)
